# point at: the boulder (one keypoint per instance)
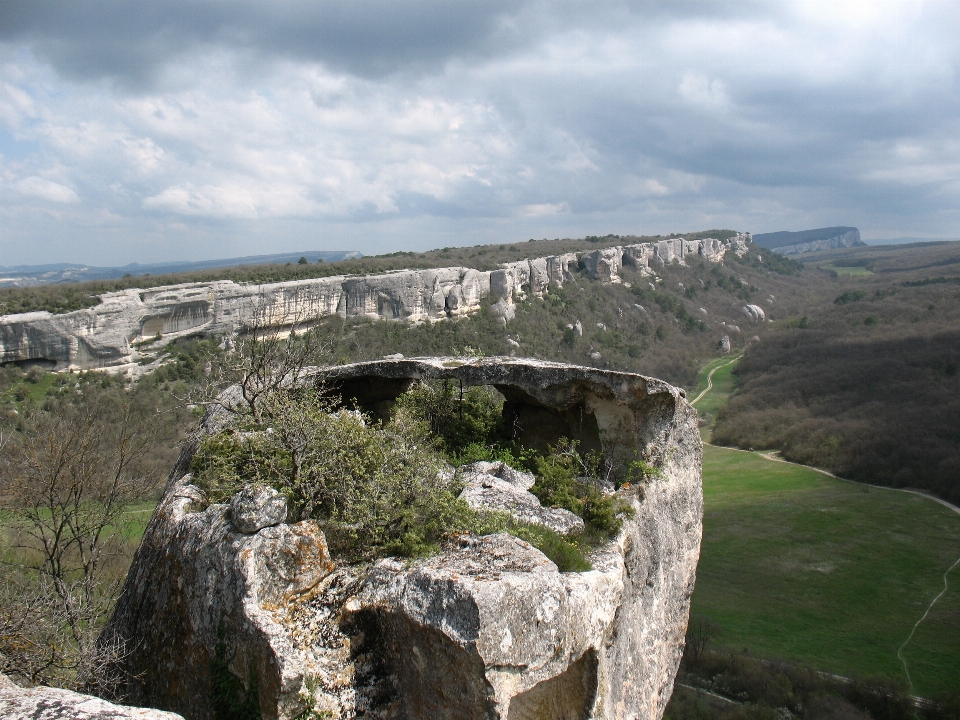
(497, 486)
(257, 507)
(47, 703)
(754, 312)
(724, 344)
(489, 628)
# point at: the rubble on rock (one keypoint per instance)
(487, 629)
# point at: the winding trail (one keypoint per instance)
(773, 457)
(709, 386)
(917, 623)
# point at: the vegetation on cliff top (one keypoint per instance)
(388, 488)
(65, 297)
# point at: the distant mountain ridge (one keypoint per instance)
(26, 275)
(805, 241)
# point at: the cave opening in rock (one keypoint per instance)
(526, 421)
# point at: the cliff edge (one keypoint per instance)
(229, 602)
(129, 325)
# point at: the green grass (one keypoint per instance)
(801, 566)
(850, 271)
(825, 572)
(724, 382)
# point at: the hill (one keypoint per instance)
(27, 275)
(866, 382)
(805, 241)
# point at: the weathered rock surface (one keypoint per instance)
(497, 486)
(488, 629)
(255, 508)
(754, 312)
(724, 344)
(128, 324)
(46, 703)
(807, 241)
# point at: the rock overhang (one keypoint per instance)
(488, 629)
(617, 412)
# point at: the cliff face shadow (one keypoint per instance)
(568, 696)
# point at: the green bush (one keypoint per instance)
(376, 490)
(567, 479)
(457, 417)
(381, 489)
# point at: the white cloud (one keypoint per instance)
(47, 190)
(535, 211)
(475, 123)
(701, 91)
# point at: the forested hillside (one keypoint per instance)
(867, 383)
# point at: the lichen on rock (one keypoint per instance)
(487, 628)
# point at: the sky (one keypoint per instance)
(174, 130)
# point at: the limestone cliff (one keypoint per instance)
(113, 333)
(807, 241)
(488, 629)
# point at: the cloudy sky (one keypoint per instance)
(176, 130)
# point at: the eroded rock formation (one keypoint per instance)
(488, 629)
(808, 241)
(128, 324)
(46, 703)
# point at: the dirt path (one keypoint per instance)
(774, 457)
(709, 386)
(917, 623)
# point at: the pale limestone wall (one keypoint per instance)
(108, 335)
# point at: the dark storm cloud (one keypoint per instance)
(132, 41)
(419, 121)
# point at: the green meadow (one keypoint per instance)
(800, 566)
(844, 270)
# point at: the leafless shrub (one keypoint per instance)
(68, 476)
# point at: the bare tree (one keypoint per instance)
(32, 634)
(269, 354)
(700, 631)
(67, 479)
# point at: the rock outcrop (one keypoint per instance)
(807, 241)
(497, 486)
(754, 312)
(488, 629)
(129, 325)
(46, 703)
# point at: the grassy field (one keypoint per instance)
(851, 271)
(723, 381)
(801, 566)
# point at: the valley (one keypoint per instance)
(845, 359)
(802, 567)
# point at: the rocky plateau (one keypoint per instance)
(232, 595)
(128, 325)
